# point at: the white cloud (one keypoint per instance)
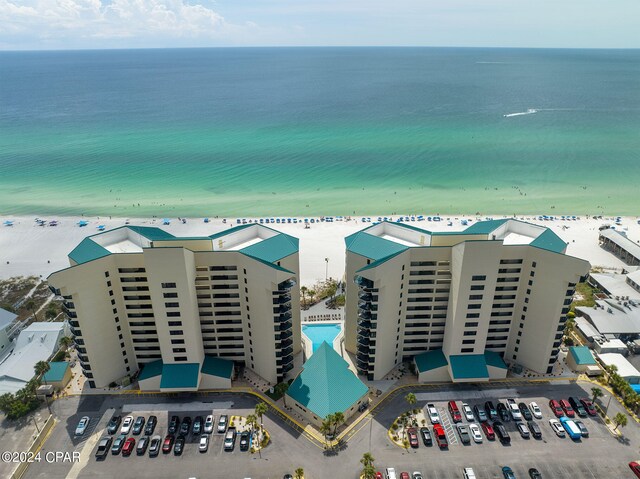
(52, 22)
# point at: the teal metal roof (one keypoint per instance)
(176, 376)
(582, 355)
(149, 370)
(430, 360)
(379, 262)
(273, 249)
(326, 384)
(550, 241)
(373, 247)
(484, 227)
(232, 230)
(88, 250)
(151, 232)
(214, 366)
(468, 366)
(494, 359)
(56, 372)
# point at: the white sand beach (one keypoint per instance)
(29, 249)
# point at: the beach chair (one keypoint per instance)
(206, 220)
(278, 220)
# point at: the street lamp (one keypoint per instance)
(608, 402)
(326, 273)
(36, 424)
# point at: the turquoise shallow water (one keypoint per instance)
(318, 333)
(310, 131)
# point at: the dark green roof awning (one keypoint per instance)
(468, 366)
(214, 366)
(149, 370)
(430, 360)
(177, 376)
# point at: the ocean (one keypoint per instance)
(320, 131)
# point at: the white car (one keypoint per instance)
(468, 413)
(512, 405)
(476, 435)
(222, 424)
(204, 443)
(208, 424)
(82, 425)
(416, 475)
(127, 422)
(468, 473)
(557, 427)
(535, 410)
(433, 414)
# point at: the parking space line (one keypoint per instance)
(448, 427)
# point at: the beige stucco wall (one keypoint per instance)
(439, 375)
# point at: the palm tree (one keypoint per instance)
(596, 393)
(411, 399)
(325, 428)
(619, 420)
(251, 421)
(312, 293)
(281, 390)
(304, 290)
(369, 472)
(31, 306)
(338, 418)
(41, 369)
(367, 459)
(66, 342)
(261, 409)
(299, 473)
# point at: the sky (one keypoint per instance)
(90, 24)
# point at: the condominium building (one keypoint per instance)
(173, 310)
(461, 305)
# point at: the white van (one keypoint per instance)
(390, 473)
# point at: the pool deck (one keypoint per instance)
(308, 343)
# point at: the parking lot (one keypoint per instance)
(598, 456)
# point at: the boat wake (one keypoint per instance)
(530, 111)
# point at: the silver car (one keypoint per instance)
(222, 424)
(208, 424)
(82, 425)
(204, 443)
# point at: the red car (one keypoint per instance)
(488, 431)
(589, 407)
(379, 475)
(167, 445)
(556, 408)
(413, 437)
(129, 446)
(441, 436)
(404, 475)
(635, 467)
(454, 411)
(566, 407)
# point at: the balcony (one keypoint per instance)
(364, 314)
(285, 308)
(362, 364)
(363, 282)
(68, 312)
(284, 352)
(75, 332)
(83, 358)
(288, 367)
(74, 324)
(286, 342)
(365, 296)
(364, 341)
(284, 298)
(285, 334)
(363, 350)
(283, 317)
(364, 306)
(285, 360)
(285, 325)
(364, 332)
(286, 285)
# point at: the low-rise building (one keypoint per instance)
(58, 375)
(613, 318)
(621, 246)
(580, 359)
(624, 368)
(7, 319)
(617, 286)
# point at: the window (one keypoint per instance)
(169, 295)
(108, 284)
(533, 265)
(106, 274)
(474, 306)
(168, 285)
(173, 314)
(532, 274)
(477, 287)
(176, 332)
(171, 305)
(473, 316)
(471, 333)
(471, 324)
(510, 261)
(473, 297)
(175, 323)
(180, 358)
(509, 270)
(179, 350)
(466, 350)
(479, 277)
(177, 341)
(468, 341)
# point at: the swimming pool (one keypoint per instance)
(318, 333)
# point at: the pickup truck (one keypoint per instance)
(571, 427)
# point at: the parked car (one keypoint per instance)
(635, 468)
(526, 414)
(416, 475)
(178, 447)
(174, 424)
(204, 443)
(413, 437)
(222, 423)
(583, 429)
(441, 436)
(535, 410)
(118, 442)
(523, 430)
(113, 424)
(571, 428)
(143, 443)
(556, 408)
(434, 417)
(103, 447)
(82, 425)
(503, 412)
(468, 473)
(535, 429)
(138, 425)
(589, 407)
(577, 406)
(167, 445)
(185, 426)
(129, 446)
(404, 475)
(454, 412)
(501, 432)
(463, 432)
(507, 472)
(155, 445)
(557, 427)
(426, 436)
(230, 439)
(468, 413)
(534, 473)
(244, 441)
(566, 407)
(491, 411)
(488, 431)
(197, 426)
(481, 414)
(512, 405)
(476, 435)
(208, 424)
(126, 425)
(151, 425)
